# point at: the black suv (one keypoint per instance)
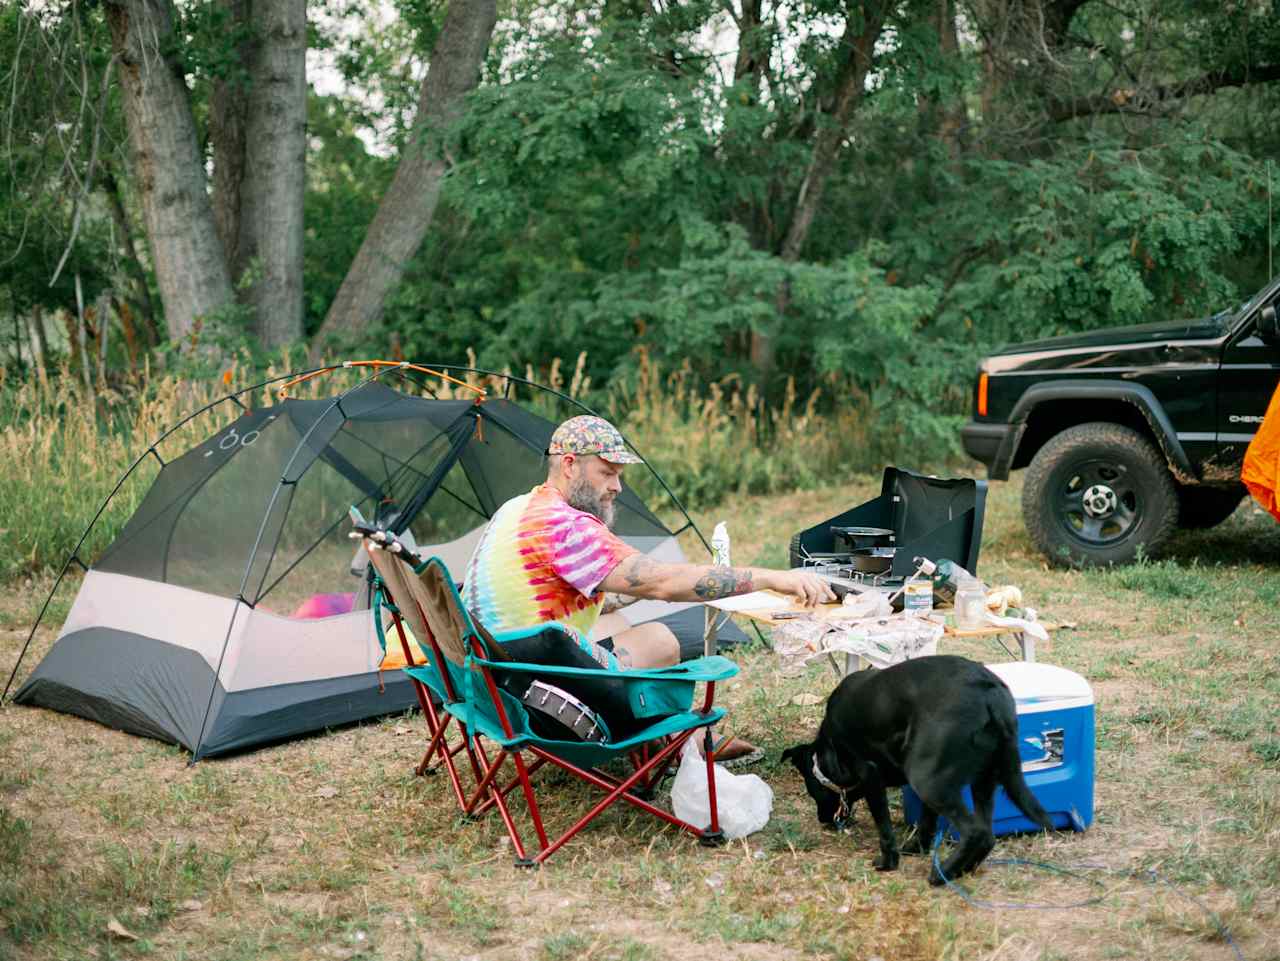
(1129, 432)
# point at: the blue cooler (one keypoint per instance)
(1055, 739)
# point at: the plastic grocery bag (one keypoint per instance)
(743, 801)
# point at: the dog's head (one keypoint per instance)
(828, 801)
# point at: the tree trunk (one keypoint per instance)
(409, 204)
(39, 346)
(228, 105)
(863, 26)
(125, 314)
(867, 21)
(17, 337)
(259, 144)
(942, 119)
(133, 266)
(81, 345)
(102, 314)
(753, 46)
(189, 263)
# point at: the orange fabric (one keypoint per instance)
(393, 659)
(1261, 473)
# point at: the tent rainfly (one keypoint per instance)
(229, 611)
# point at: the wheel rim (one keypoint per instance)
(1098, 503)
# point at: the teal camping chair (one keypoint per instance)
(484, 708)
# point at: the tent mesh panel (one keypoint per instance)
(263, 502)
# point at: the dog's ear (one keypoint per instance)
(796, 755)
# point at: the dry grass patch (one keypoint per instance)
(329, 847)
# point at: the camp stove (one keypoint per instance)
(844, 579)
(920, 516)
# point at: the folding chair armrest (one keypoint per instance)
(703, 669)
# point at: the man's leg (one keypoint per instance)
(645, 645)
(653, 645)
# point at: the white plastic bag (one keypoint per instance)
(743, 801)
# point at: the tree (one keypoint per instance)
(258, 132)
(168, 168)
(409, 204)
(862, 28)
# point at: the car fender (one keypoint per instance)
(1138, 395)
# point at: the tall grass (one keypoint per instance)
(61, 454)
(715, 440)
(710, 441)
(62, 451)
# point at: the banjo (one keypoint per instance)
(565, 713)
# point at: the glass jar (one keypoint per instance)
(971, 604)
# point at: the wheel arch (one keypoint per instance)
(1045, 410)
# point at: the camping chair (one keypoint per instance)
(466, 670)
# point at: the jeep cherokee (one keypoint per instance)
(1128, 432)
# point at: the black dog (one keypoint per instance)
(936, 723)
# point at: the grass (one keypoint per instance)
(249, 857)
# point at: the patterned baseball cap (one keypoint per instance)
(591, 435)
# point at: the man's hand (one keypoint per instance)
(809, 589)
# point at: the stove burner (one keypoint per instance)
(857, 580)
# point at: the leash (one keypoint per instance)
(845, 810)
(1151, 877)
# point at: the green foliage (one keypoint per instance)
(46, 151)
(344, 182)
(1102, 236)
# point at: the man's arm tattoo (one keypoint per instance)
(639, 570)
(723, 582)
(613, 602)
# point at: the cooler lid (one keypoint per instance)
(1043, 687)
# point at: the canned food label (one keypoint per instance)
(918, 596)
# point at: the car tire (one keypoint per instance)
(1098, 493)
(1200, 508)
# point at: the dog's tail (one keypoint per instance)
(1011, 778)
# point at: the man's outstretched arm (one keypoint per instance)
(641, 576)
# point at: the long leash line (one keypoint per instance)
(1151, 877)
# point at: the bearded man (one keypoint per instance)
(549, 555)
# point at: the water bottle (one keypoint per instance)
(720, 546)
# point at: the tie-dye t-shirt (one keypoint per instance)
(541, 560)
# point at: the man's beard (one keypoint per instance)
(582, 496)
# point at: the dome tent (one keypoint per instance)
(198, 624)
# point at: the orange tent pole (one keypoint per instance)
(402, 364)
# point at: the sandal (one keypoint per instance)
(745, 758)
(754, 756)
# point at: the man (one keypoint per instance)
(550, 555)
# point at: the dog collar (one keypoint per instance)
(842, 812)
(825, 781)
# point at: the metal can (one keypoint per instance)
(917, 596)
